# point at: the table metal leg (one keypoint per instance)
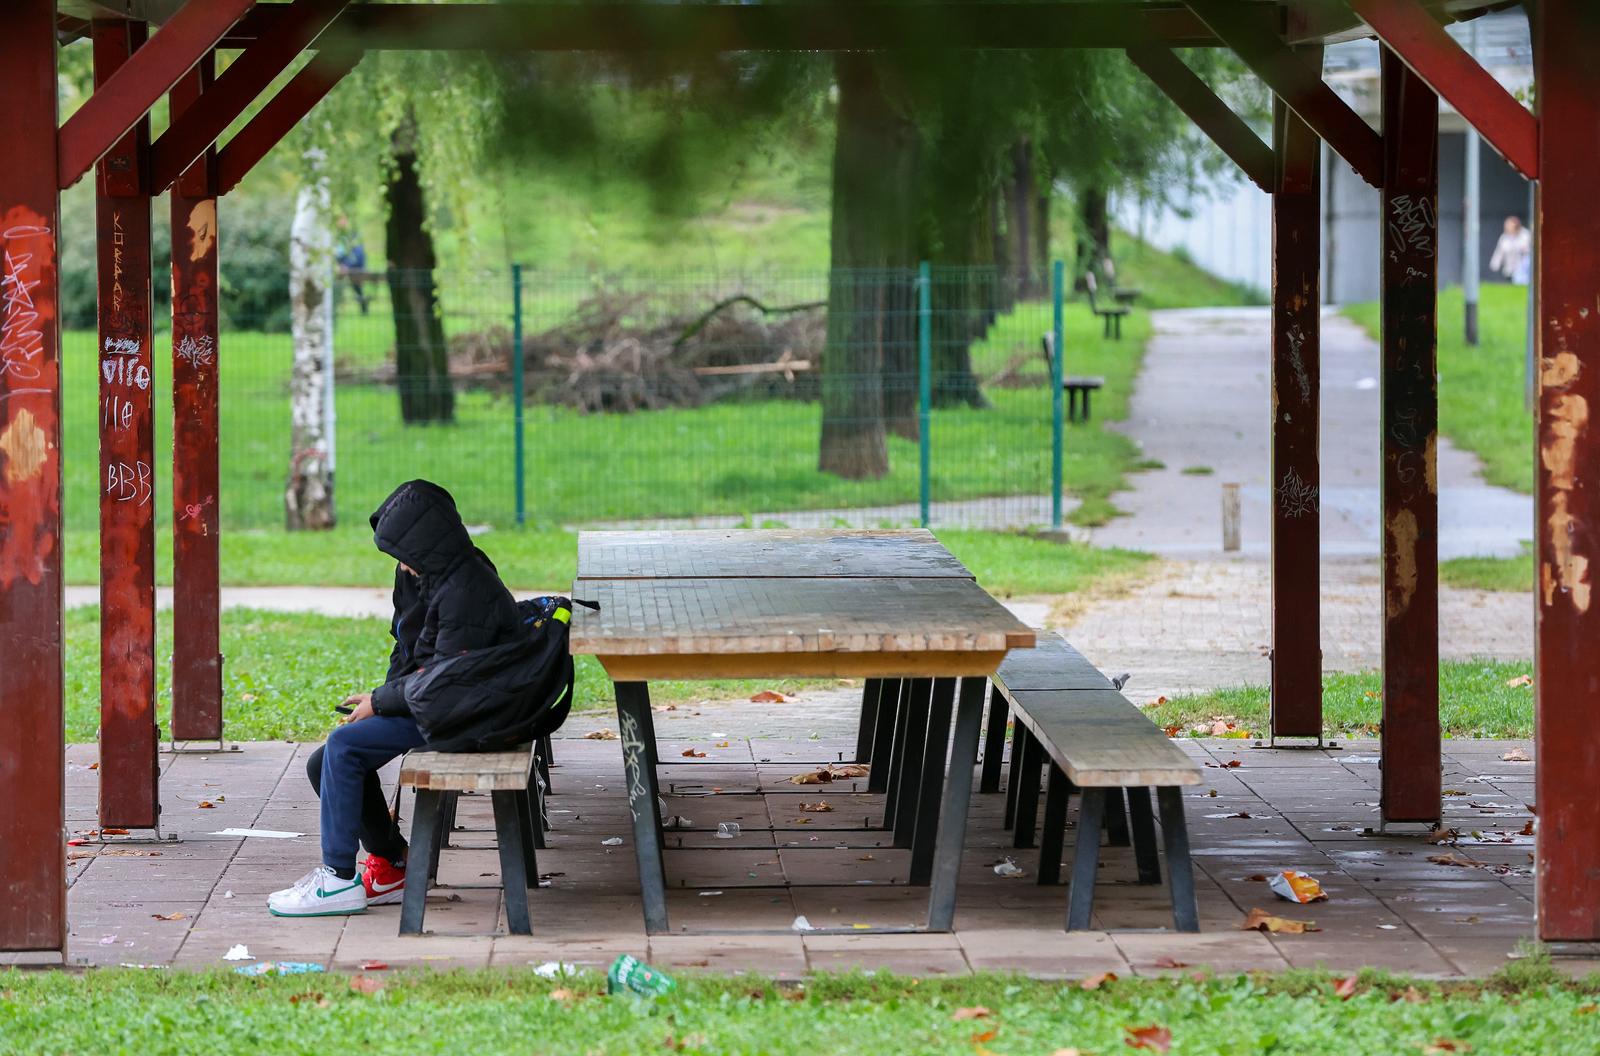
(1116, 819)
(1085, 858)
(444, 824)
(904, 819)
(1028, 793)
(633, 719)
(933, 776)
(1057, 788)
(425, 819)
(994, 744)
(509, 821)
(1180, 871)
(1019, 741)
(957, 800)
(897, 752)
(884, 723)
(869, 719)
(1143, 823)
(530, 830)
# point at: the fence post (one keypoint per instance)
(1058, 357)
(517, 393)
(924, 382)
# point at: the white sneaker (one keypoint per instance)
(319, 894)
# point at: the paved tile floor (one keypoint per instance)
(1389, 905)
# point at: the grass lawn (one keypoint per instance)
(1490, 573)
(1475, 700)
(498, 1011)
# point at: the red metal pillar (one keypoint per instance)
(1296, 381)
(1410, 273)
(1567, 681)
(129, 737)
(33, 885)
(196, 595)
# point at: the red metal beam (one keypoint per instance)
(196, 524)
(33, 877)
(1298, 84)
(1296, 409)
(129, 737)
(275, 120)
(127, 96)
(1566, 733)
(1433, 55)
(1411, 783)
(238, 86)
(1210, 114)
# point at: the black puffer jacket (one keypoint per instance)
(460, 604)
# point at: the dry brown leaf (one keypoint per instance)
(600, 735)
(768, 696)
(1154, 1038)
(1517, 755)
(365, 984)
(1460, 861)
(975, 1012)
(690, 753)
(987, 1035)
(314, 997)
(1440, 1045)
(1261, 920)
(819, 807)
(167, 916)
(1412, 996)
(375, 966)
(1527, 830)
(1344, 989)
(1259, 878)
(1519, 681)
(563, 994)
(1096, 981)
(206, 804)
(829, 774)
(94, 766)
(724, 744)
(1441, 835)
(1168, 962)
(1586, 1010)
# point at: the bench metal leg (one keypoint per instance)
(1019, 741)
(1057, 788)
(994, 743)
(909, 784)
(633, 719)
(1028, 793)
(957, 801)
(1116, 819)
(425, 820)
(510, 820)
(1085, 858)
(536, 807)
(933, 776)
(1180, 870)
(530, 831)
(883, 726)
(869, 719)
(897, 752)
(444, 825)
(1142, 821)
(543, 756)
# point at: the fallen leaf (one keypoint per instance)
(1445, 1045)
(365, 984)
(1527, 830)
(1412, 996)
(374, 966)
(1171, 731)
(866, 858)
(1259, 878)
(1344, 989)
(1585, 1010)
(829, 774)
(248, 698)
(600, 735)
(1457, 860)
(724, 744)
(1442, 835)
(168, 916)
(1516, 755)
(767, 696)
(1154, 1038)
(561, 993)
(1168, 962)
(690, 753)
(1520, 680)
(987, 1035)
(94, 766)
(1261, 920)
(819, 807)
(1066, 1052)
(1096, 981)
(975, 1012)
(206, 804)
(315, 997)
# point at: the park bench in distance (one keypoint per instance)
(1099, 745)
(1077, 387)
(1111, 313)
(514, 784)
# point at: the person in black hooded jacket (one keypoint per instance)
(449, 600)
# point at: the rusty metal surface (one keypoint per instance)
(1567, 676)
(33, 890)
(196, 631)
(1411, 786)
(128, 735)
(1296, 399)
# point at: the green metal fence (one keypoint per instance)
(650, 399)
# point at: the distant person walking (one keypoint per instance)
(1513, 254)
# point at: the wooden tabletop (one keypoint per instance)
(875, 604)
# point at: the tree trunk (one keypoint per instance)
(1094, 242)
(1022, 200)
(422, 364)
(871, 317)
(1042, 270)
(308, 496)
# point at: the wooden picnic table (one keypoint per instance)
(893, 607)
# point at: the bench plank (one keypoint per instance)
(780, 553)
(1050, 664)
(1101, 740)
(467, 771)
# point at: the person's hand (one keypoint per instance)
(361, 705)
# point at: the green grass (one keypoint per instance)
(1474, 701)
(1481, 402)
(1197, 471)
(1490, 573)
(286, 671)
(1171, 280)
(500, 1011)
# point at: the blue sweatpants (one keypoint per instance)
(353, 752)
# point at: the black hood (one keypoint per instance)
(418, 525)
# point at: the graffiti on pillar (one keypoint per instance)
(30, 484)
(1412, 227)
(1295, 336)
(21, 336)
(197, 351)
(1296, 498)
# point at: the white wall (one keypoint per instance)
(1229, 231)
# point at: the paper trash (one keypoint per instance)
(238, 952)
(1297, 887)
(265, 834)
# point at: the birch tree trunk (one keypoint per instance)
(308, 497)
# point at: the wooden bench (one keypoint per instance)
(1111, 313)
(1077, 387)
(1099, 745)
(439, 778)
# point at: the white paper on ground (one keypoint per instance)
(239, 952)
(269, 834)
(551, 969)
(802, 924)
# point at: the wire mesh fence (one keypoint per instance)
(893, 396)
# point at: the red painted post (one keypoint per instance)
(1410, 271)
(196, 525)
(1296, 367)
(129, 738)
(1567, 735)
(33, 884)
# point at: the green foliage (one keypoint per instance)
(1490, 573)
